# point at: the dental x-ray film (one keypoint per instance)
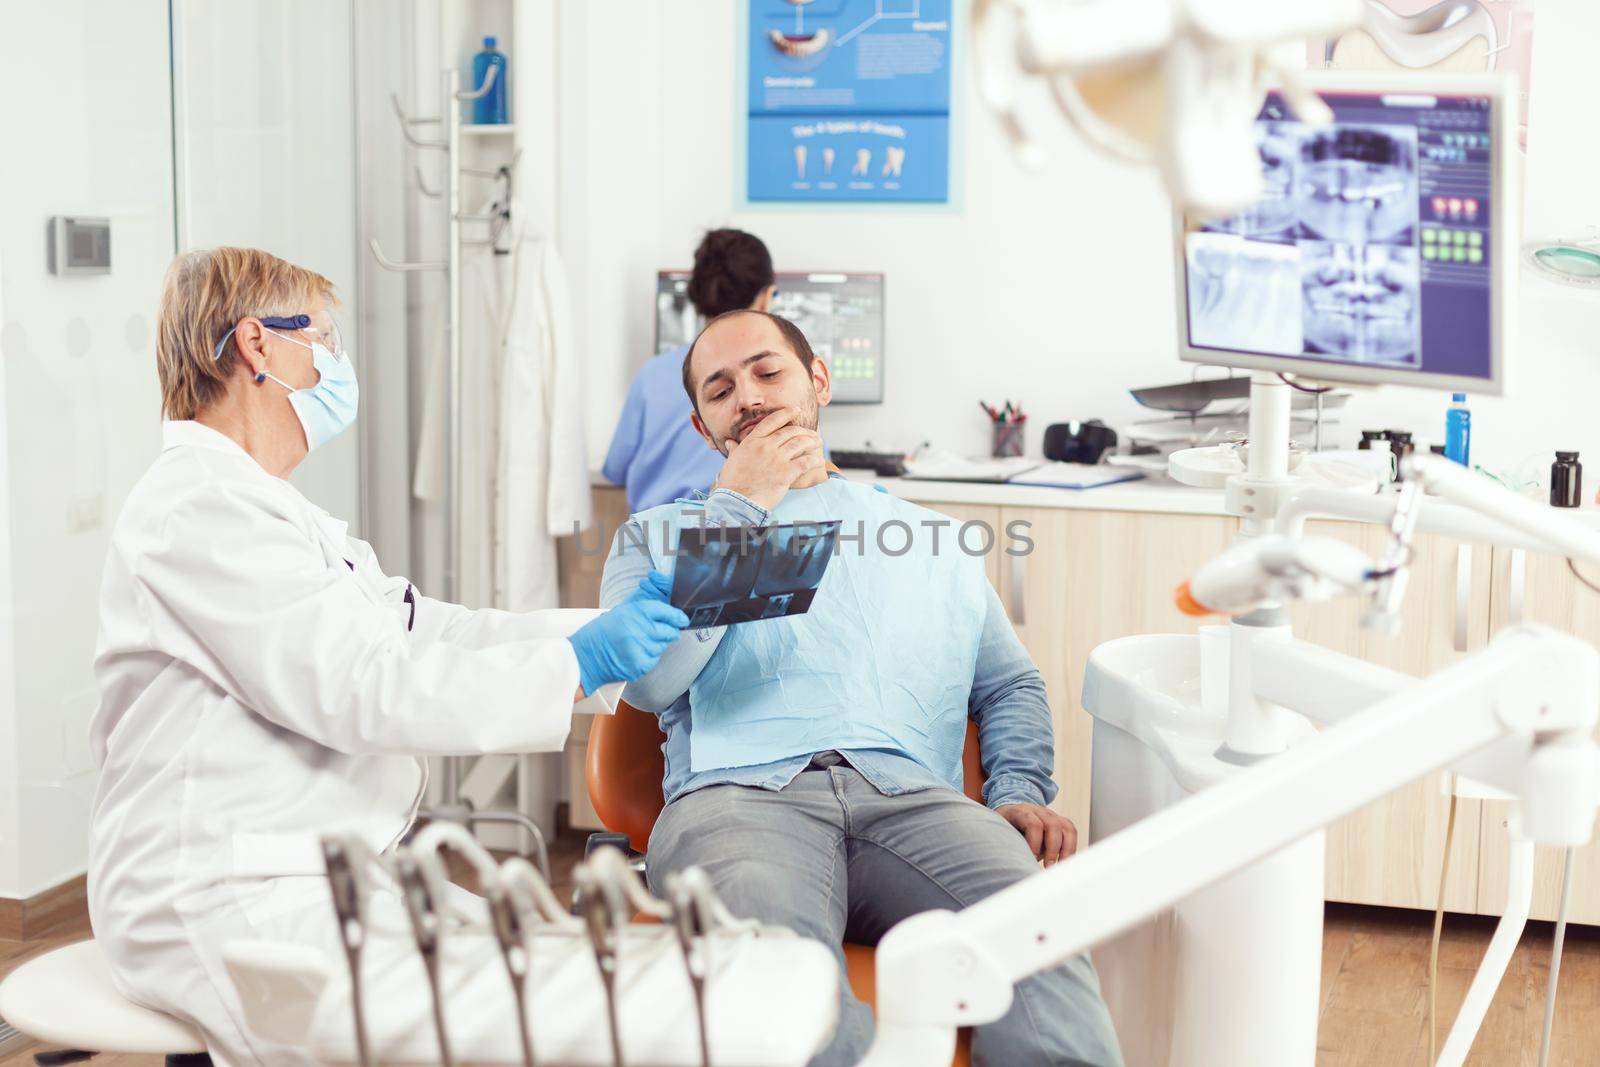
(725, 575)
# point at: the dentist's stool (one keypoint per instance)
(66, 998)
(624, 766)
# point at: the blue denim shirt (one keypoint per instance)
(1007, 700)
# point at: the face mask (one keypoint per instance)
(328, 408)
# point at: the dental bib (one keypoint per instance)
(883, 659)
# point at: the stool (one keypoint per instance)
(66, 998)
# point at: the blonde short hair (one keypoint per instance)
(205, 294)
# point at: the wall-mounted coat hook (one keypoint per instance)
(406, 122)
(488, 82)
(422, 185)
(388, 264)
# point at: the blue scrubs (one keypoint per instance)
(656, 454)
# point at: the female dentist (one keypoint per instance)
(262, 682)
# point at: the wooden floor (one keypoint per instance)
(1374, 987)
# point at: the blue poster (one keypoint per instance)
(849, 100)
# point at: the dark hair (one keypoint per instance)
(791, 334)
(731, 268)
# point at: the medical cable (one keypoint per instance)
(1318, 390)
(425, 926)
(611, 866)
(1572, 565)
(441, 834)
(1555, 956)
(517, 873)
(344, 860)
(1438, 930)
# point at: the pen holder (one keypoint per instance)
(1008, 438)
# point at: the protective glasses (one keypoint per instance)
(327, 337)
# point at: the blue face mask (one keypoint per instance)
(328, 408)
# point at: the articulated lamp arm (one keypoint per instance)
(941, 970)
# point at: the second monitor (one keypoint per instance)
(840, 314)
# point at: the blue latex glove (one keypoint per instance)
(626, 642)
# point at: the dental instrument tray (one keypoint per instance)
(725, 575)
(1194, 398)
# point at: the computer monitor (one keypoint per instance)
(1383, 247)
(840, 314)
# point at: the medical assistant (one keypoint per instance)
(923, 630)
(262, 683)
(656, 454)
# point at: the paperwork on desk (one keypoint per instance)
(1016, 470)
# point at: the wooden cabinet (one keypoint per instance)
(1390, 852)
(1070, 580)
(1538, 588)
(1094, 576)
(582, 557)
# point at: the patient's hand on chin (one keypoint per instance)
(1051, 836)
(772, 457)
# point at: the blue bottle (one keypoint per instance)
(490, 108)
(1458, 430)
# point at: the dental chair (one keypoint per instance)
(66, 998)
(624, 766)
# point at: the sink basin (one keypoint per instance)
(1155, 745)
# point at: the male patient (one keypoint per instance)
(813, 763)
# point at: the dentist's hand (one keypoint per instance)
(771, 458)
(626, 642)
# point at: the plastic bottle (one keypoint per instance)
(490, 108)
(1566, 481)
(1458, 431)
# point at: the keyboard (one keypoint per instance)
(884, 464)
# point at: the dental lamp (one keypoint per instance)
(1176, 84)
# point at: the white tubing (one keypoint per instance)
(1519, 896)
(1555, 958)
(1555, 531)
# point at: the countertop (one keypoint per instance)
(1154, 494)
(1149, 494)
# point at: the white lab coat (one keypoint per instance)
(527, 479)
(262, 682)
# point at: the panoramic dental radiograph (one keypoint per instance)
(1361, 301)
(1358, 184)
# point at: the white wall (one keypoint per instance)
(87, 114)
(267, 159)
(1054, 288)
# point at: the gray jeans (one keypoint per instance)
(833, 859)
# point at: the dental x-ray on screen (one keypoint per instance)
(1371, 250)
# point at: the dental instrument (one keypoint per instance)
(345, 860)
(604, 912)
(423, 910)
(509, 922)
(689, 925)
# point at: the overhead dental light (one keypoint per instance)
(1173, 83)
(1573, 261)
